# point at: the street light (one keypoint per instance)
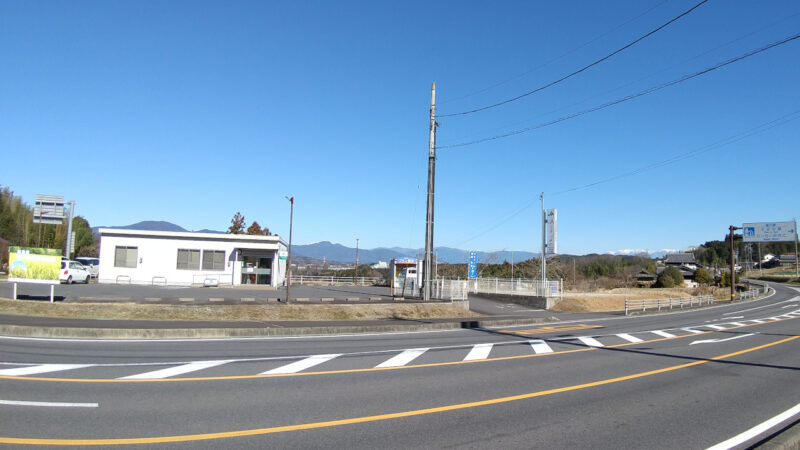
(289, 259)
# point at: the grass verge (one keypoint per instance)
(134, 311)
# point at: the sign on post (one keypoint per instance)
(769, 232)
(33, 265)
(472, 271)
(48, 209)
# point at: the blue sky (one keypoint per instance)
(191, 111)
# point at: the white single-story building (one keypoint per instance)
(187, 258)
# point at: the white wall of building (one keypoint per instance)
(157, 256)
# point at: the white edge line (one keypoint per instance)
(758, 429)
(50, 404)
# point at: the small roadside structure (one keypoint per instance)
(190, 259)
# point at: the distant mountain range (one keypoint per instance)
(337, 253)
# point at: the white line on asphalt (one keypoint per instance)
(758, 429)
(43, 368)
(714, 341)
(760, 307)
(172, 371)
(738, 324)
(755, 320)
(539, 346)
(788, 306)
(731, 318)
(590, 341)
(629, 338)
(663, 333)
(303, 364)
(51, 404)
(479, 351)
(716, 327)
(692, 330)
(403, 358)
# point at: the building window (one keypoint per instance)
(125, 256)
(188, 259)
(213, 260)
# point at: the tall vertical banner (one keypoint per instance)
(552, 232)
(472, 271)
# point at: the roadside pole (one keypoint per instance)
(289, 257)
(427, 266)
(732, 277)
(543, 255)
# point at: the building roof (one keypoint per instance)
(679, 258)
(274, 239)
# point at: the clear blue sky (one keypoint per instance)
(191, 111)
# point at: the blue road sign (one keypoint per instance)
(473, 265)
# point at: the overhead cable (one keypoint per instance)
(786, 118)
(628, 97)
(553, 83)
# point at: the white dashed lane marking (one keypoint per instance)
(479, 351)
(403, 358)
(301, 365)
(44, 368)
(178, 370)
(539, 346)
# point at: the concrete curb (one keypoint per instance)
(788, 439)
(206, 333)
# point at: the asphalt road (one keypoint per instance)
(690, 379)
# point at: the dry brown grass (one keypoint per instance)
(614, 299)
(135, 311)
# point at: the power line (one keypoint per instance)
(628, 97)
(563, 55)
(786, 118)
(553, 83)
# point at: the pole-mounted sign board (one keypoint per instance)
(33, 265)
(769, 232)
(48, 209)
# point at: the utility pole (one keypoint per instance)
(356, 260)
(426, 268)
(544, 254)
(68, 247)
(289, 259)
(733, 269)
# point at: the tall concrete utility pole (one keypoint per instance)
(356, 260)
(732, 278)
(544, 250)
(427, 266)
(68, 248)
(289, 255)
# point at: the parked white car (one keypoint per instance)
(73, 272)
(91, 264)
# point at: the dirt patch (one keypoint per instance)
(133, 311)
(614, 299)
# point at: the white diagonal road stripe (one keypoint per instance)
(403, 358)
(663, 333)
(539, 346)
(479, 351)
(629, 338)
(303, 364)
(44, 368)
(692, 330)
(172, 371)
(50, 404)
(715, 327)
(590, 341)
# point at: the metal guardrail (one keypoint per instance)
(667, 303)
(683, 302)
(334, 281)
(517, 286)
(161, 281)
(123, 277)
(449, 289)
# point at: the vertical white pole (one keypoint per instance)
(52, 288)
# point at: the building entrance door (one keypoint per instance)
(256, 269)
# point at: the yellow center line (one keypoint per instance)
(378, 417)
(373, 369)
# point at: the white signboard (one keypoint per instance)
(48, 209)
(552, 232)
(769, 232)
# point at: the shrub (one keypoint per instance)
(670, 277)
(702, 276)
